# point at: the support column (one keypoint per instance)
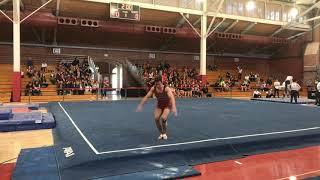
(16, 83)
(203, 44)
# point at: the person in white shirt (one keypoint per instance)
(256, 94)
(294, 87)
(44, 66)
(276, 85)
(318, 93)
(239, 72)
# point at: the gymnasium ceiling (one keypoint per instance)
(100, 11)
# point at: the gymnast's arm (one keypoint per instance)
(172, 100)
(144, 99)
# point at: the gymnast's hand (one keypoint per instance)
(139, 108)
(174, 111)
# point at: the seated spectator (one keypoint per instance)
(205, 91)
(29, 62)
(44, 66)
(29, 89)
(270, 93)
(36, 88)
(244, 86)
(239, 72)
(256, 93)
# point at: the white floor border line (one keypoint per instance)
(208, 140)
(298, 175)
(82, 135)
(177, 144)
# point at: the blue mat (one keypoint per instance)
(28, 121)
(29, 106)
(166, 173)
(205, 130)
(5, 114)
(36, 164)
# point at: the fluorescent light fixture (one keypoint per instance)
(292, 178)
(251, 5)
(293, 12)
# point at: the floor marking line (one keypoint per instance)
(208, 140)
(80, 132)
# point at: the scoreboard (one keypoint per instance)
(124, 11)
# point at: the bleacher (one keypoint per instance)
(50, 93)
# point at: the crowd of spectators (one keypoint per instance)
(183, 81)
(70, 77)
(73, 78)
(38, 78)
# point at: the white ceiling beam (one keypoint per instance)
(231, 26)
(215, 27)
(248, 28)
(297, 35)
(35, 11)
(197, 21)
(214, 17)
(287, 25)
(312, 19)
(5, 15)
(190, 24)
(191, 11)
(300, 34)
(276, 32)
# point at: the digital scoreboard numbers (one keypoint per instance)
(124, 11)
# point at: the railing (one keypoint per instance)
(74, 94)
(102, 94)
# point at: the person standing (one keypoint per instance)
(166, 103)
(318, 93)
(294, 87)
(276, 85)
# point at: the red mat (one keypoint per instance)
(6, 171)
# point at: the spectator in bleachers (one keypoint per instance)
(270, 93)
(29, 62)
(244, 86)
(29, 89)
(239, 72)
(205, 90)
(256, 93)
(276, 85)
(212, 67)
(44, 66)
(36, 88)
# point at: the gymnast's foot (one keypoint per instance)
(164, 136)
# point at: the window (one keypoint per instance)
(235, 8)
(229, 7)
(277, 18)
(272, 15)
(284, 17)
(240, 9)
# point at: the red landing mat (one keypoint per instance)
(6, 171)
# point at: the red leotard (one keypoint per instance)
(163, 99)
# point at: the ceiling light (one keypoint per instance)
(251, 5)
(293, 12)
